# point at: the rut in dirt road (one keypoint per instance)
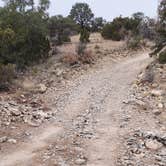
(92, 110)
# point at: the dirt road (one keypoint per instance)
(89, 119)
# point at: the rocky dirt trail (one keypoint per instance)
(91, 120)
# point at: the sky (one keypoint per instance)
(107, 9)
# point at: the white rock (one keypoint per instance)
(3, 139)
(15, 111)
(42, 88)
(80, 161)
(160, 105)
(156, 92)
(154, 85)
(13, 141)
(59, 72)
(153, 144)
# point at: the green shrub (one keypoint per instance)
(22, 36)
(84, 35)
(60, 29)
(110, 32)
(162, 57)
(7, 73)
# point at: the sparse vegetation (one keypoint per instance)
(87, 58)
(70, 59)
(134, 43)
(161, 33)
(162, 57)
(7, 73)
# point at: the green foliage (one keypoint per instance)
(110, 32)
(60, 29)
(162, 13)
(120, 27)
(162, 57)
(7, 73)
(22, 34)
(161, 29)
(84, 35)
(138, 16)
(82, 15)
(97, 24)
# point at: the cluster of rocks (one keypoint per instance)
(151, 89)
(23, 110)
(148, 147)
(144, 148)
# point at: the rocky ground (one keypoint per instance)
(98, 114)
(148, 146)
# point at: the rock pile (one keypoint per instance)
(145, 148)
(23, 110)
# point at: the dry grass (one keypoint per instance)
(95, 47)
(70, 59)
(87, 58)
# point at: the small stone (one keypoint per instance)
(154, 85)
(15, 112)
(3, 139)
(41, 88)
(153, 144)
(141, 103)
(157, 112)
(125, 102)
(160, 105)
(13, 141)
(80, 161)
(59, 72)
(156, 92)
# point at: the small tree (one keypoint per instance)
(82, 15)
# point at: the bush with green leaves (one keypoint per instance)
(162, 57)
(60, 29)
(117, 29)
(7, 73)
(122, 27)
(23, 31)
(84, 36)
